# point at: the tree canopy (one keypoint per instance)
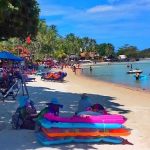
(48, 42)
(106, 49)
(145, 53)
(18, 18)
(129, 51)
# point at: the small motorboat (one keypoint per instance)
(134, 71)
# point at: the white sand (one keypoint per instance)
(133, 104)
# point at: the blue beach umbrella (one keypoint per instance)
(9, 56)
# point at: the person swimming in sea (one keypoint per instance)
(91, 69)
(137, 75)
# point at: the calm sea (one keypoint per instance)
(117, 73)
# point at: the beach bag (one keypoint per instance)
(22, 120)
(16, 122)
(28, 124)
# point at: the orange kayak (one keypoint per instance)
(74, 133)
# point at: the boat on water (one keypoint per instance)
(133, 71)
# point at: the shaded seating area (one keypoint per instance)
(10, 77)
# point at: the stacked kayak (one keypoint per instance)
(89, 129)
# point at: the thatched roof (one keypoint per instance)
(88, 54)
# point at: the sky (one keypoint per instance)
(118, 22)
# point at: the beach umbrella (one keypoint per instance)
(9, 56)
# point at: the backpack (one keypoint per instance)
(16, 121)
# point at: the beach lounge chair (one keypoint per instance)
(11, 91)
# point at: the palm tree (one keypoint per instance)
(71, 43)
(106, 49)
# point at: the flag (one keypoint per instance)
(28, 40)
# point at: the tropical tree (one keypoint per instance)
(129, 51)
(85, 43)
(88, 44)
(145, 53)
(92, 45)
(10, 44)
(45, 41)
(18, 18)
(72, 44)
(106, 49)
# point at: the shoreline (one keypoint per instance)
(82, 75)
(117, 84)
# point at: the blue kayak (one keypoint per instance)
(47, 124)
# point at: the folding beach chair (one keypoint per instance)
(12, 90)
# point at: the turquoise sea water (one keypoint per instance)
(117, 73)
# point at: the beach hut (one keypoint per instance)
(122, 57)
(73, 57)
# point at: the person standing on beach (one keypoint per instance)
(82, 70)
(62, 67)
(74, 69)
(131, 66)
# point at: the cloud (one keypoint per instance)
(128, 7)
(112, 20)
(99, 12)
(100, 8)
(109, 12)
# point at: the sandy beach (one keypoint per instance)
(132, 103)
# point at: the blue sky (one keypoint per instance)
(112, 21)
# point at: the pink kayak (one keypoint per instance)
(88, 119)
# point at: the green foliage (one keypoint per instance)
(10, 44)
(18, 18)
(59, 54)
(106, 49)
(145, 53)
(129, 51)
(88, 44)
(72, 44)
(47, 37)
(48, 42)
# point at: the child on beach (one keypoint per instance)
(86, 107)
(52, 107)
(74, 68)
(99, 108)
(84, 103)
